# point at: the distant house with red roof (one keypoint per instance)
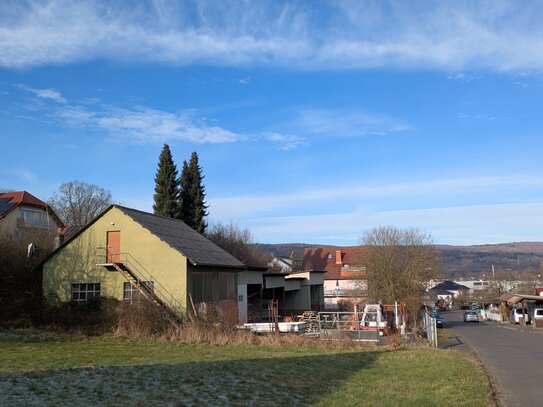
(343, 272)
(21, 210)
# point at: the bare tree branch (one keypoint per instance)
(77, 203)
(238, 242)
(398, 263)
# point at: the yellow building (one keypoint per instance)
(125, 253)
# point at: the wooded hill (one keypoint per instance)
(459, 261)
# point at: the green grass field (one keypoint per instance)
(111, 371)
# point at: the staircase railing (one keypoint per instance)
(141, 275)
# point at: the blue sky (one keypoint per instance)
(314, 121)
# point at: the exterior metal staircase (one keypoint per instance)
(139, 278)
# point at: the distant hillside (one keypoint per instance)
(458, 261)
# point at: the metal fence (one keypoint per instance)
(359, 326)
(429, 324)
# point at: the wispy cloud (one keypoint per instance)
(347, 123)
(146, 125)
(466, 116)
(337, 35)
(51, 94)
(463, 77)
(475, 224)
(286, 142)
(257, 205)
(24, 174)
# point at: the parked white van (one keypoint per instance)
(517, 314)
(538, 314)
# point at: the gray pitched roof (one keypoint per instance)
(199, 250)
(451, 285)
(440, 291)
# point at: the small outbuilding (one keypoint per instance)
(124, 253)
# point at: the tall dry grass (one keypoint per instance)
(145, 320)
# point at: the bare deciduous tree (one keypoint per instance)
(398, 263)
(77, 202)
(238, 242)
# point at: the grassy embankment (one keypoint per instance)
(112, 371)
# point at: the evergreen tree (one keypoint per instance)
(198, 193)
(192, 205)
(186, 201)
(166, 185)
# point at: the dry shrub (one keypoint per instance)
(20, 277)
(228, 310)
(345, 306)
(148, 320)
(396, 341)
(92, 318)
(141, 319)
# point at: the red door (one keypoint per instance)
(113, 247)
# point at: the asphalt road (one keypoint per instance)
(512, 354)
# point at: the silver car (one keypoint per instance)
(471, 316)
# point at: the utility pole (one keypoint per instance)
(493, 275)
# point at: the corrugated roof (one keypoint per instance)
(516, 298)
(198, 249)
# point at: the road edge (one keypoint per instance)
(495, 394)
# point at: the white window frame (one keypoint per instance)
(28, 216)
(84, 292)
(132, 294)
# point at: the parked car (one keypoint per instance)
(471, 316)
(538, 314)
(439, 319)
(517, 314)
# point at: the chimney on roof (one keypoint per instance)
(339, 262)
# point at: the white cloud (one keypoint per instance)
(146, 125)
(43, 93)
(286, 142)
(463, 77)
(347, 123)
(504, 36)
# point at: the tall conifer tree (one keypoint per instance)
(166, 185)
(198, 194)
(192, 205)
(186, 201)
